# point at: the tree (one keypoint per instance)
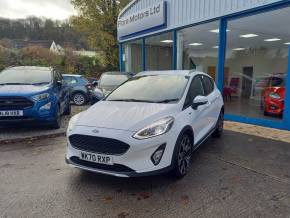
(33, 28)
(97, 19)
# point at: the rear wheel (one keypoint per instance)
(182, 156)
(79, 99)
(219, 126)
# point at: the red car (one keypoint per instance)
(273, 95)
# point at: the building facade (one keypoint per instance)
(243, 44)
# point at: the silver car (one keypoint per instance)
(110, 81)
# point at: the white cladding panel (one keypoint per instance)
(186, 12)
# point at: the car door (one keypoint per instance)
(213, 109)
(198, 117)
(60, 90)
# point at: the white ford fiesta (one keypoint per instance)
(151, 124)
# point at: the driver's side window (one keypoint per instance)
(195, 89)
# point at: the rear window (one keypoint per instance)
(25, 76)
(85, 80)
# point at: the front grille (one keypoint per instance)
(98, 144)
(118, 168)
(15, 103)
(14, 118)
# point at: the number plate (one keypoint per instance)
(11, 113)
(96, 158)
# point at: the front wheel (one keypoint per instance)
(68, 109)
(219, 126)
(56, 124)
(182, 156)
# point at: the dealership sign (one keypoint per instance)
(149, 19)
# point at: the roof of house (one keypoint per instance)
(20, 43)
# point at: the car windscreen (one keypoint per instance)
(152, 89)
(112, 80)
(25, 76)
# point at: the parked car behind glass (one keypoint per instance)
(80, 88)
(272, 102)
(33, 94)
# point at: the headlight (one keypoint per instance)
(40, 97)
(72, 122)
(274, 95)
(158, 128)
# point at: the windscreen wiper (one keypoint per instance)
(168, 100)
(40, 83)
(15, 83)
(132, 100)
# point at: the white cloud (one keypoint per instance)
(55, 9)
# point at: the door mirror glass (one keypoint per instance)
(59, 83)
(198, 101)
(95, 83)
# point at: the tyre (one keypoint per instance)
(219, 126)
(67, 110)
(56, 124)
(79, 99)
(182, 155)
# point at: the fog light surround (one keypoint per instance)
(158, 154)
(46, 106)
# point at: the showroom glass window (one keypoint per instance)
(132, 57)
(197, 48)
(257, 60)
(159, 52)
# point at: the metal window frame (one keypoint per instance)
(223, 22)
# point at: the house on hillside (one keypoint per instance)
(85, 53)
(48, 44)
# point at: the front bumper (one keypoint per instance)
(124, 174)
(33, 114)
(274, 107)
(135, 162)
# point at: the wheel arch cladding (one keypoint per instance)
(79, 92)
(186, 130)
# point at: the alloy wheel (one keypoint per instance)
(184, 155)
(79, 99)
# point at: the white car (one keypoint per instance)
(149, 125)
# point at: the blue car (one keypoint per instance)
(33, 94)
(81, 90)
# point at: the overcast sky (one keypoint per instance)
(55, 9)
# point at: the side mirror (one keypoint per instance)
(95, 83)
(59, 83)
(199, 101)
